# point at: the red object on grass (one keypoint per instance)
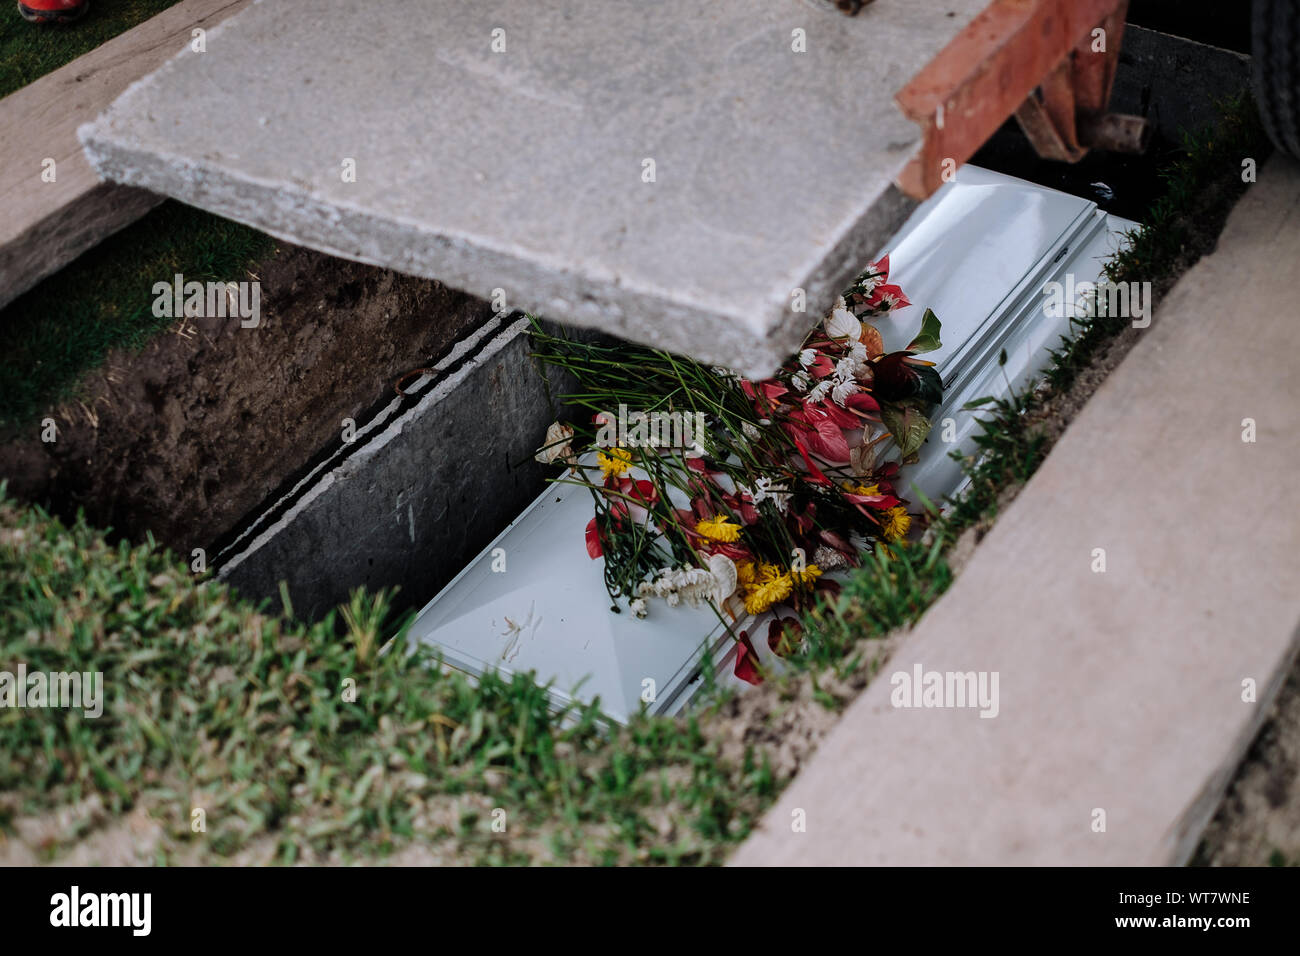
(52, 11)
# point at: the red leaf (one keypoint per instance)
(837, 541)
(747, 661)
(593, 540)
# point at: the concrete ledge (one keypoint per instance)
(425, 484)
(1122, 691)
(48, 224)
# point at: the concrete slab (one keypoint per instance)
(1124, 701)
(526, 170)
(415, 494)
(48, 223)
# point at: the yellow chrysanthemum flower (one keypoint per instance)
(767, 591)
(614, 464)
(745, 573)
(807, 576)
(719, 529)
(895, 523)
(853, 489)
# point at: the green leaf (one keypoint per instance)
(927, 340)
(929, 387)
(908, 426)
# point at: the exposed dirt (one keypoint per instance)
(1258, 823)
(187, 436)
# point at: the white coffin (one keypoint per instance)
(979, 253)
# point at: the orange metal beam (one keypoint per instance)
(1032, 58)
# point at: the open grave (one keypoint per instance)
(675, 121)
(409, 496)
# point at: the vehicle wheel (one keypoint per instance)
(1275, 65)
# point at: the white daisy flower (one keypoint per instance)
(843, 390)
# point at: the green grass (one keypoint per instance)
(247, 716)
(29, 50)
(66, 326)
(1201, 186)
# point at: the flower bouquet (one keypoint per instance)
(711, 488)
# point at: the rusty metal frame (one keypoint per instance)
(1032, 59)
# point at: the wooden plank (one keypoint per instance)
(48, 224)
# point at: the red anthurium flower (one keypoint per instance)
(879, 502)
(804, 522)
(862, 402)
(887, 298)
(593, 540)
(686, 519)
(819, 434)
(814, 472)
(842, 418)
(747, 661)
(764, 396)
(784, 635)
(821, 366)
(642, 491)
(733, 550)
(743, 507)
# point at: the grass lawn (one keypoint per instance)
(297, 744)
(29, 50)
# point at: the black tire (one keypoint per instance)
(1275, 66)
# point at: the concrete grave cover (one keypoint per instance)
(670, 172)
